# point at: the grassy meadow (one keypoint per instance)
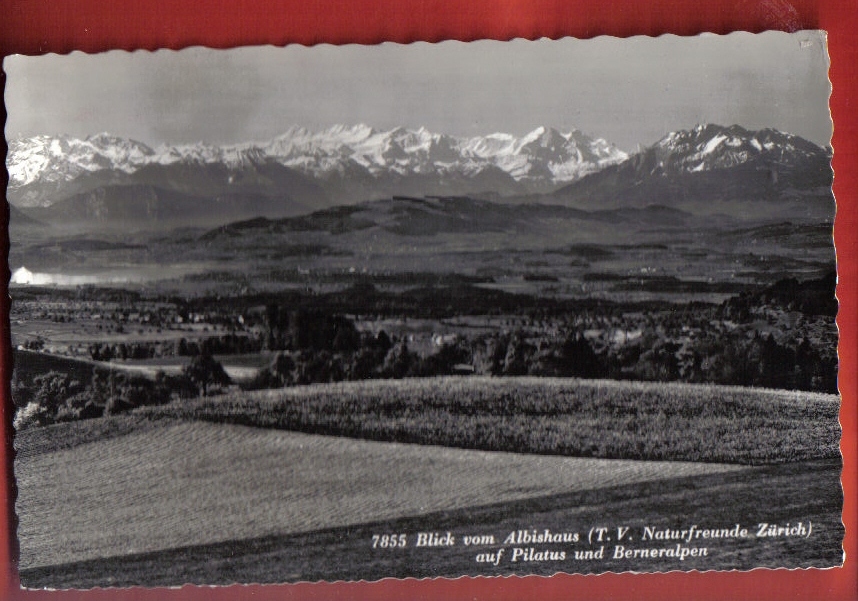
(580, 418)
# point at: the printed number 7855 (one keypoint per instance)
(388, 541)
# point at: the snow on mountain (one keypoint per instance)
(543, 158)
(58, 158)
(403, 151)
(718, 170)
(709, 147)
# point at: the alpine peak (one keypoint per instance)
(543, 158)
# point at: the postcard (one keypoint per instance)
(346, 313)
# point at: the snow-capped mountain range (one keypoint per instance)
(709, 169)
(539, 160)
(708, 147)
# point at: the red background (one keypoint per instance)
(40, 26)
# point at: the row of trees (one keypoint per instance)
(225, 344)
(737, 359)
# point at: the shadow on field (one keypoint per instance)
(807, 492)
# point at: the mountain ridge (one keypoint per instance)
(713, 168)
(429, 216)
(707, 170)
(539, 159)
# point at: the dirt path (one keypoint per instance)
(202, 483)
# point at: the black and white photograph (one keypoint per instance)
(487, 308)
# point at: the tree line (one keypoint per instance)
(318, 347)
(59, 395)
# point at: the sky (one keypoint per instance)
(629, 91)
